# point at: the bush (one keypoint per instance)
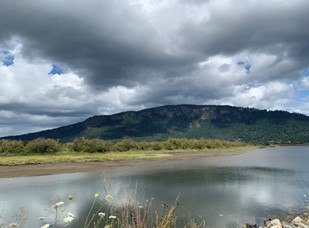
(47, 146)
(125, 145)
(42, 146)
(8, 147)
(91, 145)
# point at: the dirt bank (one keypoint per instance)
(74, 167)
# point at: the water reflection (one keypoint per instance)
(226, 192)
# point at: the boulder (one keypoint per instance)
(275, 223)
(299, 222)
(287, 225)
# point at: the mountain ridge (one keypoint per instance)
(187, 121)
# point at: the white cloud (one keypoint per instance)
(274, 95)
(134, 54)
(305, 82)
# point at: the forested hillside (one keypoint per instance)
(188, 121)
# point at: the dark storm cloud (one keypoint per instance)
(250, 25)
(102, 40)
(110, 42)
(26, 109)
(133, 53)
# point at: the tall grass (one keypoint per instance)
(103, 212)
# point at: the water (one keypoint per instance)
(225, 191)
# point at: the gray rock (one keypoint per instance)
(299, 222)
(275, 223)
(287, 225)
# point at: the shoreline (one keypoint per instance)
(8, 171)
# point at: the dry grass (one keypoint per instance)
(70, 157)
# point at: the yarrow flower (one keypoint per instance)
(112, 217)
(13, 225)
(58, 204)
(101, 214)
(109, 198)
(70, 214)
(69, 218)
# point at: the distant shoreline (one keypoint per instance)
(20, 170)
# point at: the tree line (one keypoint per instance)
(52, 146)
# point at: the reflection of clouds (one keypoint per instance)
(37, 194)
(121, 192)
(264, 187)
(258, 194)
(240, 189)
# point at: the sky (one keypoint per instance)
(64, 61)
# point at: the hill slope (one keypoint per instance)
(190, 121)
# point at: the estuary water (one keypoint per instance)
(223, 191)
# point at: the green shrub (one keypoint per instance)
(46, 146)
(11, 147)
(91, 145)
(42, 146)
(125, 145)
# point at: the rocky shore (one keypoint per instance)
(301, 221)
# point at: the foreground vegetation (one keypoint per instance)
(133, 212)
(80, 150)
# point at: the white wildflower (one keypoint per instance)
(58, 204)
(109, 198)
(70, 214)
(101, 214)
(69, 218)
(112, 217)
(46, 225)
(13, 225)
(96, 195)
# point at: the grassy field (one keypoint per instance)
(70, 157)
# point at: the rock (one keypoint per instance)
(299, 222)
(275, 223)
(287, 225)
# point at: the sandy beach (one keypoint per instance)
(75, 167)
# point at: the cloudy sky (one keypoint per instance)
(64, 61)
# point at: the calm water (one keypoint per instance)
(225, 191)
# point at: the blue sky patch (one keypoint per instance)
(303, 94)
(246, 65)
(56, 70)
(6, 58)
(306, 72)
